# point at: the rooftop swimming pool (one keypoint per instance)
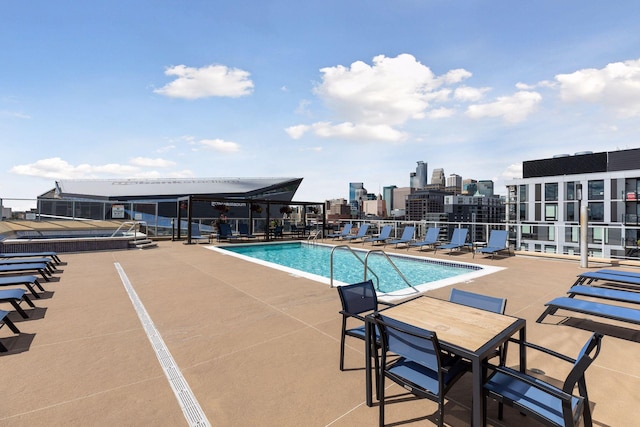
(313, 261)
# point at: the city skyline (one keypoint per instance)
(330, 91)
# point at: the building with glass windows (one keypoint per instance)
(545, 203)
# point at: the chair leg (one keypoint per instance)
(342, 338)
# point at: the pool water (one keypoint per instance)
(315, 260)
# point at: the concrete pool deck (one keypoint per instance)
(258, 346)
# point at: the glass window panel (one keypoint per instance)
(570, 212)
(596, 190)
(570, 191)
(551, 191)
(596, 211)
(551, 212)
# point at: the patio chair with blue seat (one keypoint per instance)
(406, 238)
(497, 242)
(362, 233)
(483, 302)
(384, 235)
(346, 230)
(417, 363)
(545, 402)
(458, 240)
(430, 239)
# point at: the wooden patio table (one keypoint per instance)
(471, 333)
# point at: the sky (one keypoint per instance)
(332, 91)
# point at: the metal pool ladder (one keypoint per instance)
(366, 266)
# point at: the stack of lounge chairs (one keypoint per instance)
(619, 289)
(16, 270)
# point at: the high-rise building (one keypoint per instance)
(387, 196)
(469, 187)
(485, 188)
(454, 183)
(437, 177)
(418, 179)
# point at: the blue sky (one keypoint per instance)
(332, 91)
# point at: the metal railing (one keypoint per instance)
(357, 257)
(366, 259)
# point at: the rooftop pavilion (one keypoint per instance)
(258, 346)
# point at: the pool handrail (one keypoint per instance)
(366, 258)
(357, 257)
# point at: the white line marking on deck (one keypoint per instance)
(190, 407)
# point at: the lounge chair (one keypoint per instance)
(196, 235)
(406, 238)
(384, 235)
(346, 230)
(51, 265)
(243, 231)
(278, 231)
(15, 297)
(28, 281)
(458, 240)
(589, 277)
(4, 319)
(21, 268)
(53, 255)
(362, 233)
(224, 232)
(299, 232)
(497, 242)
(416, 363)
(545, 402)
(605, 293)
(430, 239)
(608, 311)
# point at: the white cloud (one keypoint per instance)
(512, 109)
(220, 145)
(212, 80)
(57, 168)
(616, 86)
(147, 162)
(14, 115)
(469, 94)
(348, 130)
(440, 113)
(371, 101)
(297, 131)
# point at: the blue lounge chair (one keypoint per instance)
(346, 230)
(497, 242)
(53, 255)
(608, 311)
(362, 233)
(243, 231)
(28, 281)
(15, 297)
(4, 319)
(196, 235)
(430, 239)
(384, 235)
(224, 232)
(406, 238)
(589, 277)
(458, 240)
(40, 267)
(51, 265)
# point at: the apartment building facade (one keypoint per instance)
(545, 203)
